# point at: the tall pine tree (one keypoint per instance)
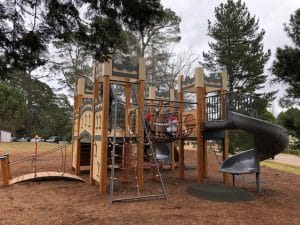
(286, 67)
(237, 47)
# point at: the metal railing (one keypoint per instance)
(218, 105)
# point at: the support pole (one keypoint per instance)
(8, 165)
(200, 92)
(5, 170)
(104, 143)
(140, 128)
(95, 97)
(127, 161)
(172, 99)
(78, 147)
(200, 141)
(140, 122)
(224, 117)
(180, 127)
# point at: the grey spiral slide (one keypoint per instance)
(269, 140)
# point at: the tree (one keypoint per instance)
(28, 27)
(70, 61)
(151, 23)
(12, 108)
(290, 120)
(286, 66)
(237, 47)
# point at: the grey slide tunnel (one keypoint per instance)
(269, 140)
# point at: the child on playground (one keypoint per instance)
(172, 129)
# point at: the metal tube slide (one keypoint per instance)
(269, 140)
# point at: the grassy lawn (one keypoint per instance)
(25, 147)
(281, 167)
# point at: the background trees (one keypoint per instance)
(81, 31)
(290, 120)
(237, 48)
(12, 109)
(286, 67)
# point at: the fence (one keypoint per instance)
(234, 101)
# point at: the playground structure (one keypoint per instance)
(147, 122)
(155, 129)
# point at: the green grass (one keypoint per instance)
(24, 147)
(281, 167)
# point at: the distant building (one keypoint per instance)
(5, 136)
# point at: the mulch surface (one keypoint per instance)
(70, 202)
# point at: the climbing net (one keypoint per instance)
(163, 121)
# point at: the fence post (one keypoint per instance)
(5, 170)
(8, 165)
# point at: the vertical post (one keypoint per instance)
(127, 161)
(223, 117)
(8, 166)
(78, 147)
(172, 98)
(140, 145)
(258, 186)
(152, 96)
(140, 125)
(95, 97)
(200, 92)
(107, 71)
(73, 127)
(181, 148)
(204, 141)
(5, 170)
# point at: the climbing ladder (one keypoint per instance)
(139, 193)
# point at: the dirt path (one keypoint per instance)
(292, 160)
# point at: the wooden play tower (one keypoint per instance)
(203, 87)
(92, 113)
(91, 117)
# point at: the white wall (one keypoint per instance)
(5, 136)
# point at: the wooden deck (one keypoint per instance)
(44, 176)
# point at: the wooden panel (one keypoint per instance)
(96, 161)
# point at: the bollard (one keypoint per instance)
(5, 170)
(8, 165)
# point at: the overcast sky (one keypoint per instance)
(272, 14)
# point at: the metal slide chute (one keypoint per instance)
(269, 140)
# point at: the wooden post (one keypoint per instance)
(127, 161)
(73, 127)
(172, 99)
(140, 145)
(181, 147)
(204, 141)
(152, 96)
(140, 125)
(77, 167)
(200, 92)
(223, 117)
(95, 97)
(5, 170)
(104, 143)
(8, 166)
